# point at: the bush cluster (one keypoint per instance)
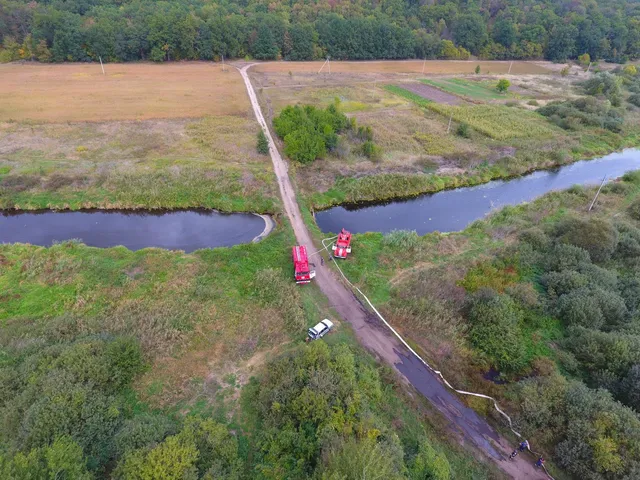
(309, 132)
(321, 402)
(586, 111)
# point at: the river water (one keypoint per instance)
(186, 230)
(453, 210)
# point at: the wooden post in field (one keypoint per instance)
(597, 193)
(449, 126)
(101, 65)
(325, 62)
(510, 65)
(589, 67)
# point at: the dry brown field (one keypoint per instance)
(141, 91)
(406, 66)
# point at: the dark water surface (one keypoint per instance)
(453, 210)
(186, 230)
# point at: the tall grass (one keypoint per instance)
(497, 121)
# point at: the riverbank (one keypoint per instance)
(453, 210)
(375, 189)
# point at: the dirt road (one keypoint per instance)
(381, 343)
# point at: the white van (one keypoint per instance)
(321, 329)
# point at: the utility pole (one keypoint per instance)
(101, 65)
(598, 193)
(326, 62)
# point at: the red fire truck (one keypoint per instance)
(301, 269)
(343, 245)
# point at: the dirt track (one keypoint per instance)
(381, 343)
(432, 93)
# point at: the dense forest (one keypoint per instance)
(129, 30)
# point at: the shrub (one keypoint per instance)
(614, 310)
(584, 59)
(564, 282)
(604, 83)
(630, 70)
(634, 209)
(630, 388)
(596, 236)
(628, 246)
(463, 130)
(536, 238)
(370, 150)
(634, 99)
(533, 103)
(579, 307)
(572, 114)
(304, 146)
(565, 257)
(309, 132)
(598, 351)
(263, 143)
(503, 85)
(632, 177)
(477, 70)
(495, 330)
(564, 72)
(142, 431)
(429, 464)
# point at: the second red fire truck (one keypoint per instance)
(343, 244)
(301, 270)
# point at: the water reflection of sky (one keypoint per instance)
(453, 210)
(180, 230)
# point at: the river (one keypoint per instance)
(186, 230)
(453, 210)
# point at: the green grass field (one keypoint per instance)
(468, 88)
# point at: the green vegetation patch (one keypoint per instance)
(466, 88)
(413, 97)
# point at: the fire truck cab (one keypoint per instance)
(301, 270)
(343, 244)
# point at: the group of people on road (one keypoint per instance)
(521, 448)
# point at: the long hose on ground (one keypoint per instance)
(436, 372)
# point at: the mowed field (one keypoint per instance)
(142, 136)
(81, 93)
(406, 66)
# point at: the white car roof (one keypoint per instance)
(322, 325)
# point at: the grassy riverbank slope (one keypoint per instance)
(491, 135)
(142, 136)
(124, 358)
(538, 306)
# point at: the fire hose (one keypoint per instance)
(432, 369)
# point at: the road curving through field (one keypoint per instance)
(374, 336)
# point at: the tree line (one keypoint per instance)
(130, 30)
